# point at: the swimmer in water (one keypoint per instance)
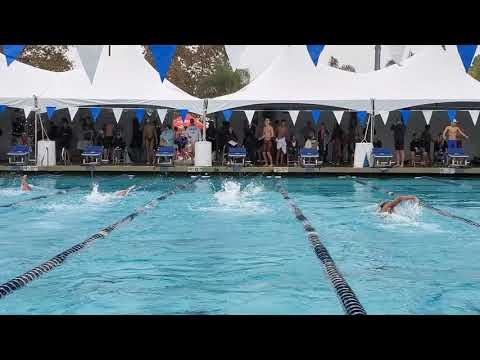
(388, 206)
(123, 193)
(24, 185)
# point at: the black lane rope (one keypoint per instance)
(22, 280)
(450, 182)
(423, 203)
(347, 297)
(60, 192)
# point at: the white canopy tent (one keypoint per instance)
(124, 79)
(292, 82)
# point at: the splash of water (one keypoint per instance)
(98, 197)
(232, 197)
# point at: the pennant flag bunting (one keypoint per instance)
(227, 114)
(117, 113)
(161, 114)
(474, 115)
(72, 110)
(362, 117)
(50, 111)
(140, 114)
(234, 53)
(427, 114)
(3, 108)
(249, 114)
(452, 114)
(315, 116)
(466, 52)
(90, 56)
(183, 113)
(396, 52)
(384, 116)
(314, 51)
(294, 115)
(405, 116)
(95, 111)
(27, 110)
(338, 115)
(163, 56)
(12, 52)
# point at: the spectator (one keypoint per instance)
(337, 141)
(231, 138)
(308, 131)
(149, 140)
(65, 139)
(293, 149)
(399, 139)
(439, 148)
(210, 135)
(377, 143)
(136, 143)
(108, 130)
(158, 130)
(17, 129)
(193, 134)
(119, 146)
(282, 138)
(250, 143)
(426, 139)
(322, 141)
(167, 136)
(181, 140)
(352, 137)
(415, 148)
(267, 137)
(452, 134)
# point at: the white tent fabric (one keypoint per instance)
(234, 53)
(124, 79)
(430, 77)
(89, 56)
(292, 78)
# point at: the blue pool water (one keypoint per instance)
(233, 246)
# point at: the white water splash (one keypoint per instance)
(98, 197)
(233, 198)
(9, 192)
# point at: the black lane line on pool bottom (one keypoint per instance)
(22, 280)
(347, 297)
(423, 203)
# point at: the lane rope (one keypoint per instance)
(450, 182)
(347, 297)
(423, 203)
(60, 192)
(27, 277)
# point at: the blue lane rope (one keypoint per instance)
(22, 280)
(423, 203)
(450, 182)
(347, 297)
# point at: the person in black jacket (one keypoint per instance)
(399, 139)
(250, 143)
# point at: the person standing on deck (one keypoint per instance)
(149, 140)
(267, 137)
(282, 135)
(193, 134)
(452, 134)
(426, 139)
(322, 141)
(399, 139)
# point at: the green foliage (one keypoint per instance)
(223, 81)
(347, 67)
(474, 70)
(333, 62)
(46, 57)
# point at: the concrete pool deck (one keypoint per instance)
(249, 170)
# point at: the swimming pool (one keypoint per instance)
(233, 246)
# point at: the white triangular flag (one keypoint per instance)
(384, 116)
(90, 56)
(161, 114)
(294, 115)
(249, 114)
(474, 115)
(396, 52)
(117, 112)
(72, 110)
(427, 114)
(338, 116)
(27, 110)
(234, 53)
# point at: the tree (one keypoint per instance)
(333, 62)
(46, 57)
(347, 67)
(223, 81)
(474, 70)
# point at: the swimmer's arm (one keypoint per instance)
(399, 199)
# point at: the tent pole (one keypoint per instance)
(35, 102)
(204, 119)
(373, 120)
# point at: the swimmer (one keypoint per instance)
(123, 193)
(388, 206)
(24, 185)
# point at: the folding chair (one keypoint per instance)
(19, 154)
(382, 157)
(92, 155)
(165, 155)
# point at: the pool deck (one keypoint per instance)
(248, 170)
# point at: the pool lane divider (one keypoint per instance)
(423, 203)
(348, 299)
(27, 277)
(449, 182)
(60, 192)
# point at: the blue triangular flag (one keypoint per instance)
(467, 52)
(163, 56)
(405, 116)
(452, 114)
(362, 116)
(183, 113)
(315, 51)
(50, 111)
(3, 108)
(95, 111)
(365, 161)
(315, 116)
(227, 114)
(140, 113)
(12, 52)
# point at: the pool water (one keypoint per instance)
(233, 246)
